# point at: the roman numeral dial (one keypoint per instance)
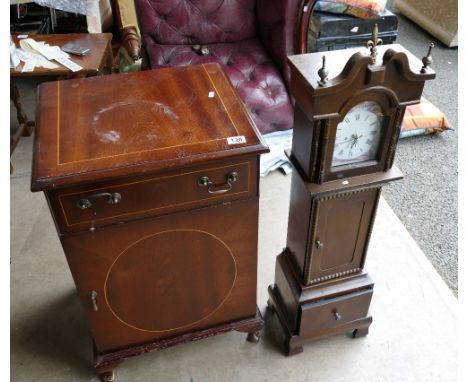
(358, 135)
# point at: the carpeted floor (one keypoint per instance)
(426, 200)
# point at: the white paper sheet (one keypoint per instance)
(38, 53)
(278, 142)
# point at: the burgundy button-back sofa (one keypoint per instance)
(251, 39)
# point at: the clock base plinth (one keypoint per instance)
(306, 313)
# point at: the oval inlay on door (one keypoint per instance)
(170, 280)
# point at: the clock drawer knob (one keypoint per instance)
(336, 315)
(319, 244)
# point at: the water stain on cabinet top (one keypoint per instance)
(154, 119)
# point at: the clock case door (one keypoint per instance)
(313, 141)
(330, 225)
(341, 226)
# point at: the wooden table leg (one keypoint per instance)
(108, 63)
(25, 127)
(110, 59)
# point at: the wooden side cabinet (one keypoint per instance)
(144, 279)
(161, 236)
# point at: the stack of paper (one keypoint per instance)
(38, 53)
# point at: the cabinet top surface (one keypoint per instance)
(101, 128)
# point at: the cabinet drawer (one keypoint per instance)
(153, 195)
(332, 312)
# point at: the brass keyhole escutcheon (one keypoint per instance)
(93, 296)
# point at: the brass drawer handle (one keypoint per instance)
(113, 198)
(205, 181)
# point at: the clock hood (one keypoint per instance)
(323, 82)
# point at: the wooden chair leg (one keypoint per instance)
(15, 97)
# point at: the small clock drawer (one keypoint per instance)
(150, 196)
(334, 312)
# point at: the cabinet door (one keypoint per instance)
(159, 277)
(341, 225)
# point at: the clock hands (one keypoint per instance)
(353, 140)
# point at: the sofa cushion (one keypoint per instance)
(250, 70)
(196, 22)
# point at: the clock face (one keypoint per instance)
(358, 135)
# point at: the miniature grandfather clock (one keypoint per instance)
(349, 108)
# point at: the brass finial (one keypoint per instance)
(427, 60)
(323, 73)
(372, 44)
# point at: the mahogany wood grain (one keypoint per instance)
(92, 64)
(152, 195)
(137, 123)
(189, 288)
(173, 258)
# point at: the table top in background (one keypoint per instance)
(91, 64)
